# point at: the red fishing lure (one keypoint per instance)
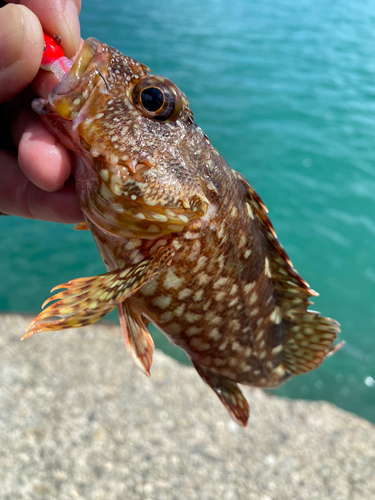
(52, 51)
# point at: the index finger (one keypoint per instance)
(58, 17)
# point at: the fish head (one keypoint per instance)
(136, 144)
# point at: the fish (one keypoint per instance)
(186, 241)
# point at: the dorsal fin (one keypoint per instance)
(307, 336)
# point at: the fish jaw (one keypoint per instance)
(124, 187)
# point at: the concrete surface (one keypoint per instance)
(79, 421)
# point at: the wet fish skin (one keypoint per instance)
(186, 240)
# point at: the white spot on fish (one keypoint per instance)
(150, 288)
(279, 371)
(249, 211)
(249, 287)
(220, 295)
(175, 227)
(220, 282)
(171, 280)
(236, 346)
(185, 293)
(223, 346)
(160, 217)
(253, 298)
(163, 302)
(189, 235)
(117, 189)
(214, 334)
(195, 250)
(277, 349)
(213, 318)
(235, 325)
(179, 310)
(198, 344)
(203, 279)
(104, 174)
(177, 244)
(136, 257)
(165, 317)
(275, 316)
(198, 296)
(267, 269)
(193, 330)
(192, 317)
(200, 263)
(105, 192)
(259, 335)
(242, 241)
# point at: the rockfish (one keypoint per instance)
(186, 240)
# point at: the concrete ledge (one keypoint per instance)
(79, 421)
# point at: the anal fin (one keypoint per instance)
(86, 300)
(229, 394)
(136, 336)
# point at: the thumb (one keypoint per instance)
(21, 49)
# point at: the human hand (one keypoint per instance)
(35, 168)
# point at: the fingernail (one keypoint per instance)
(72, 22)
(11, 32)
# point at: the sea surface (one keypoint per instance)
(286, 92)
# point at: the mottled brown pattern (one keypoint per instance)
(186, 240)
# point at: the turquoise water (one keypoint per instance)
(286, 92)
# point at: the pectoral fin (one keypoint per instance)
(137, 339)
(81, 226)
(86, 300)
(229, 394)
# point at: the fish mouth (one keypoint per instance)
(68, 97)
(79, 68)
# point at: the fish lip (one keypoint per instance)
(80, 65)
(71, 80)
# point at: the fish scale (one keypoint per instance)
(187, 242)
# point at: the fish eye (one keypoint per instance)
(157, 98)
(152, 99)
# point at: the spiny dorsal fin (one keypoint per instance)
(307, 337)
